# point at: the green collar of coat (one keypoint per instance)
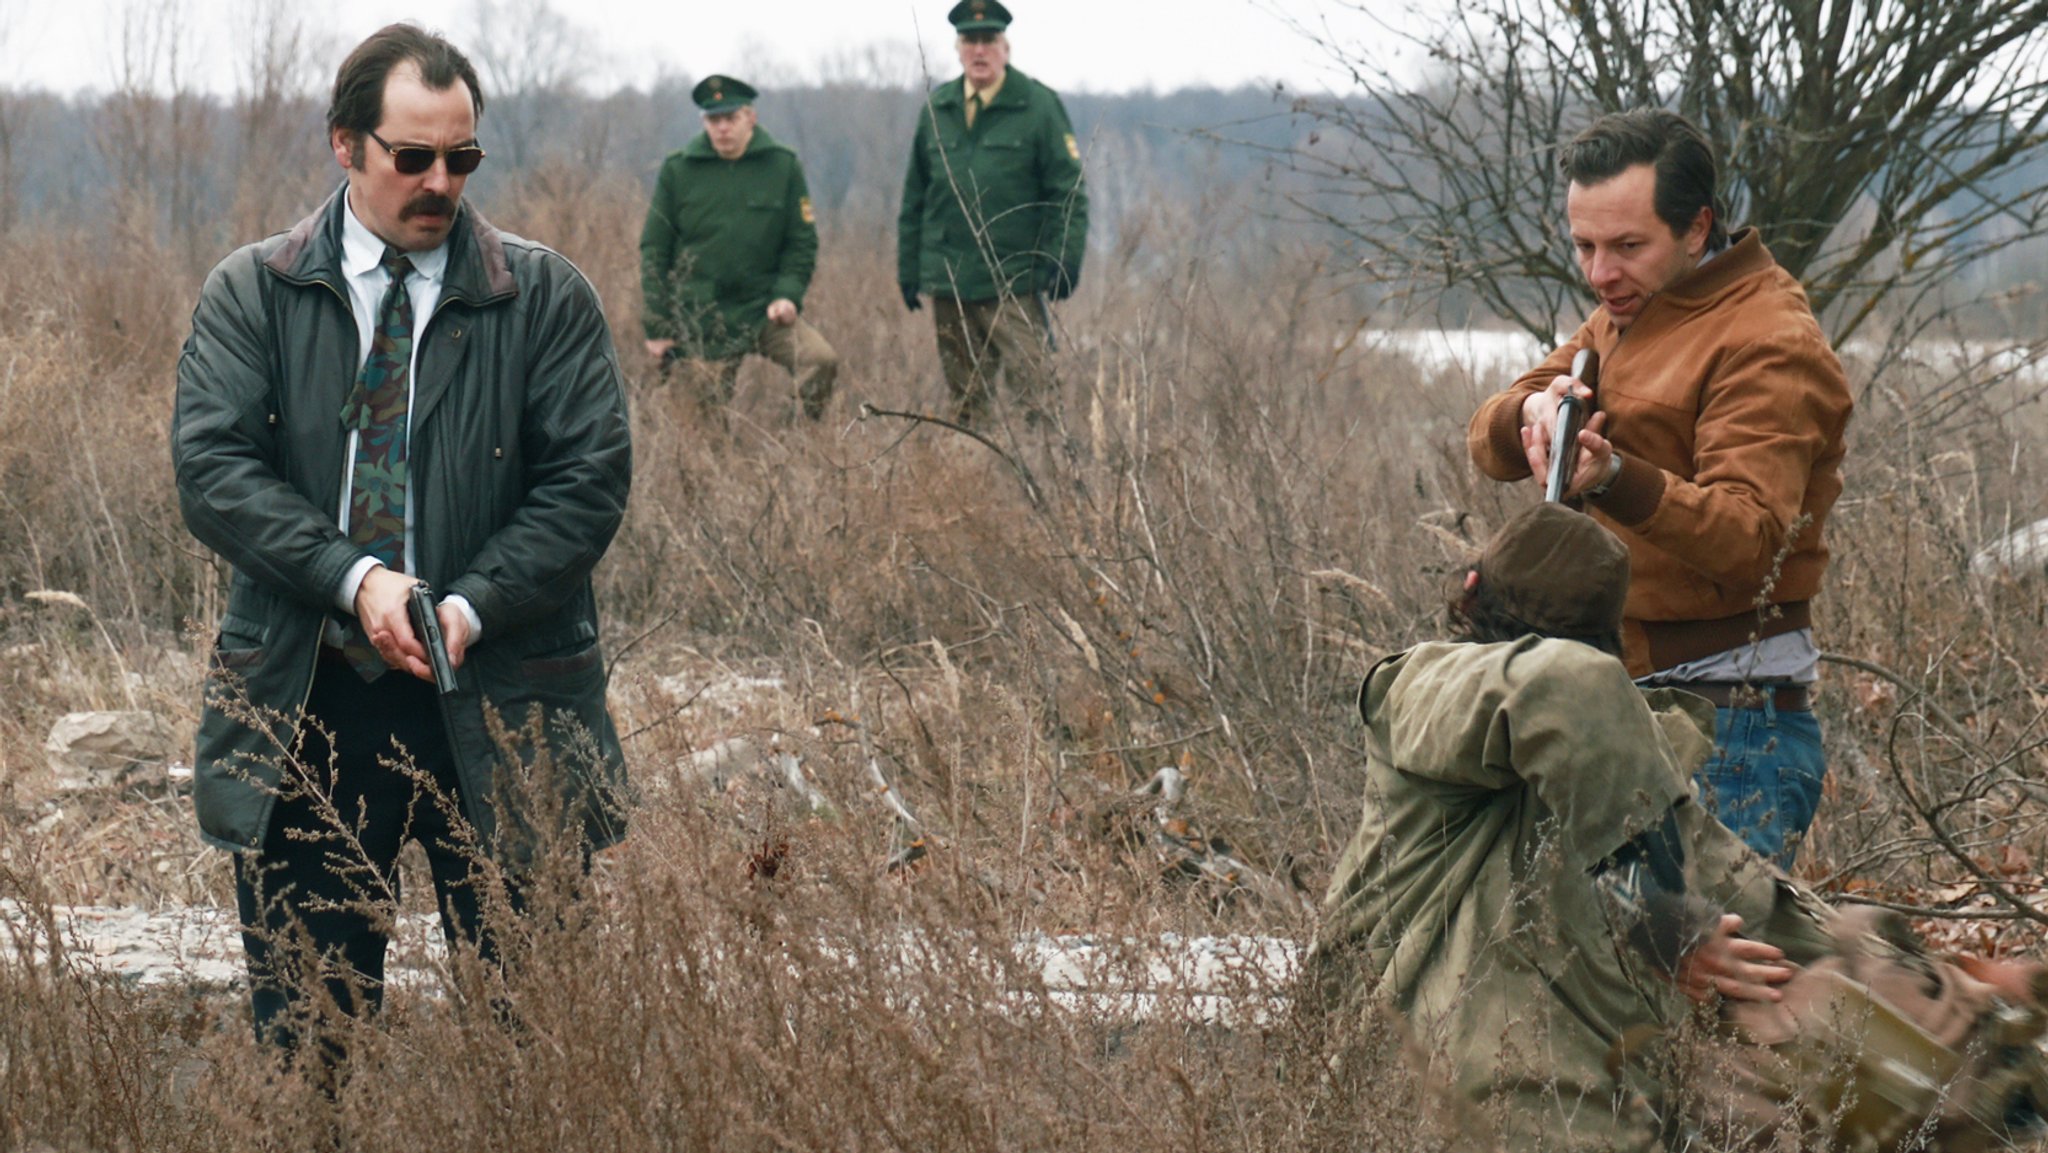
(1015, 93)
(700, 148)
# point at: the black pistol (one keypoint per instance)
(426, 625)
(1571, 417)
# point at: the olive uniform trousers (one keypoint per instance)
(800, 349)
(980, 338)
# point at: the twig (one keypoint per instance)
(620, 653)
(1932, 913)
(73, 600)
(672, 714)
(1153, 747)
(918, 843)
(1935, 712)
(1991, 884)
(1031, 490)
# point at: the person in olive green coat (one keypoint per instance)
(1532, 878)
(727, 254)
(994, 219)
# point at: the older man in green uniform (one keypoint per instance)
(994, 219)
(727, 254)
(1532, 879)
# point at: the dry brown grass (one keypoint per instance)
(1234, 523)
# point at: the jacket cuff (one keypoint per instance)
(1504, 437)
(1635, 494)
(788, 290)
(476, 597)
(468, 611)
(352, 583)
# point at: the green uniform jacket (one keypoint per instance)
(520, 463)
(724, 238)
(1497, 777)
(995, 209)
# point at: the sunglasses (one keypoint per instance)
(413, 159)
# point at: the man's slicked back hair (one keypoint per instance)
(1673, 145)
(358, 104)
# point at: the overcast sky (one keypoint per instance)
(1076, 45)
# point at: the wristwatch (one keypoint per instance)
(1607, 482)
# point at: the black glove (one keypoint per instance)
(1059, 282)
(910, 300)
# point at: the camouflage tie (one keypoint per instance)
(376, 413)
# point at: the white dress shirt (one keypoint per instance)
(362, 266)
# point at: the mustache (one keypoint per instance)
(427, 203)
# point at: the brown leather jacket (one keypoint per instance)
(1728, 407)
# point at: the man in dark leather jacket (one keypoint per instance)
(394, 356)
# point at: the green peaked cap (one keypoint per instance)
(717, 93)
(979, 16)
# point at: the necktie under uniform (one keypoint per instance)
(376, 412)
(973, 108)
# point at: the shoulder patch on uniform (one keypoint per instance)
(803, 206)
(1073, 149)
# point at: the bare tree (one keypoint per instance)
(155, 125)
(276, 76)
(11, 114)
(530, 56)
(1877, 144)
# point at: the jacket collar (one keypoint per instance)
(477, 271)
(1745, 256)
(1015, 92)
(700, 147)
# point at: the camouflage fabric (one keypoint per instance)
(1497, 777)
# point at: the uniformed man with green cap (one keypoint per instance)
(727, 254)
(994, 219)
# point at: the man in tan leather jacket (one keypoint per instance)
(1715, 455)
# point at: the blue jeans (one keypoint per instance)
(1764, 778)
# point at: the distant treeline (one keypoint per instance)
(199, 162)
(198, 173)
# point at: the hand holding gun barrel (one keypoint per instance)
(1572, 413)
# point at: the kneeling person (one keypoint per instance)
(1534, 890)
(727, 254)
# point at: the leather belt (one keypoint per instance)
(1736, 695)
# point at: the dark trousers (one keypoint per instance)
(316, 902)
